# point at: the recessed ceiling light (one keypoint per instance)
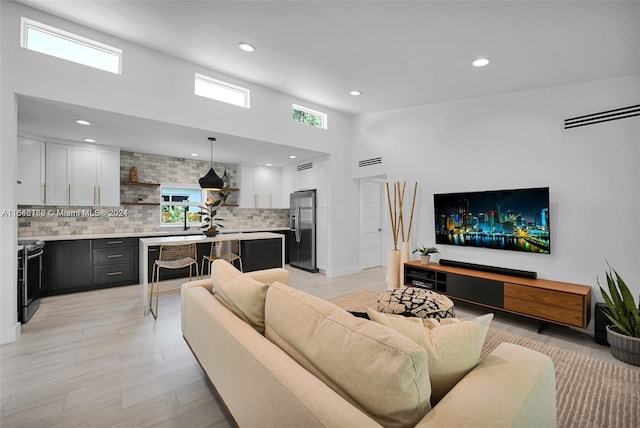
(355, 92)
(246, 47)
(195, 155)
(292, 157)
(89, 140)
(83, 122)
(480, 62)
(268, 164)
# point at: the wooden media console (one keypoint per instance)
(547, 301)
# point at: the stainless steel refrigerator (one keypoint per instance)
(302, 234)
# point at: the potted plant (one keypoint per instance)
(210, 223)
(425, 253)
(623, 312)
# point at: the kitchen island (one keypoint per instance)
(253, 247)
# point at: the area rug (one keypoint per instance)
(590, 392)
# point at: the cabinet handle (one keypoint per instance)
(44, 193)
(99, 196)
(114, 242)
(114, 273)
(69, 195)
(152, 250)
(94, 195)
(114, 255)
(270, 201)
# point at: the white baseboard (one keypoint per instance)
(347, 270)
(10, 334)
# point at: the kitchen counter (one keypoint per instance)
(145, 243)
(170, 232)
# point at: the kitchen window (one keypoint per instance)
(177, 199)
(53, 41)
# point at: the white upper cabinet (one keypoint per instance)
(82, 175)
(31, 170)
(108, 183)
(260, 187)
(58, 174)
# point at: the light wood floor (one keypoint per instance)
(93, 360)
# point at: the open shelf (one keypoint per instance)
(139, 183)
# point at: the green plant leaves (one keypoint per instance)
(621, 310)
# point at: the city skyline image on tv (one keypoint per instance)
(516, 219)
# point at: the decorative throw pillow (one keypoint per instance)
(453, 348)
(416, 302)
(375, 368)
(243, 295)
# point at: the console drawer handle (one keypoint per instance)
(114, 242)
(114, 273)
(114, 255)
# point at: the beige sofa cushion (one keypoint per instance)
(242, 294)
(376, 369)
(453, 348)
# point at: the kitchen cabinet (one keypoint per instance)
(261, 254)
(82, 175)
(67, 266)
(31, 172)
(115, 262)
(261, 187)
(88, 264)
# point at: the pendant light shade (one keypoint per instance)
(211, 181)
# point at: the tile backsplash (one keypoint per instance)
(65, 220)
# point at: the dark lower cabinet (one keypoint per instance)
(67, 266)
(86, 264)
(260, 254)
(115, 262)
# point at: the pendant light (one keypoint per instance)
(211, 181)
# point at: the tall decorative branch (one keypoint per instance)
(393, 215)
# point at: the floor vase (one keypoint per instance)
(393, 270)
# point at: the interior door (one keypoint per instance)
(370, 224)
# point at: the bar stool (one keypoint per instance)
(225, 250)
(172, 256)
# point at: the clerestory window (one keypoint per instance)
(39, 37)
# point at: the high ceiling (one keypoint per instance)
(398, 53)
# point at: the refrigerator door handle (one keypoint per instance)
(298, 222)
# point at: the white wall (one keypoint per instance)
(516, 140)
(152, 86)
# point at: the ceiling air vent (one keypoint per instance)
(603, 116)
(305, 166)
(369, 162)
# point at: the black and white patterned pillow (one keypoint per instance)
(416, 302)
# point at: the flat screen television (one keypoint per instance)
(516, 219)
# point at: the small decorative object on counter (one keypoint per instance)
(226, 182)
(133, 174)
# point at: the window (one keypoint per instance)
(310, 117)
(178, 199)
(71, 47)
(221, 91)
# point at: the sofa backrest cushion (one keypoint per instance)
(242, 294)
(375, 368)
(453, 346)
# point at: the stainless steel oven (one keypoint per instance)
(29, 279)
